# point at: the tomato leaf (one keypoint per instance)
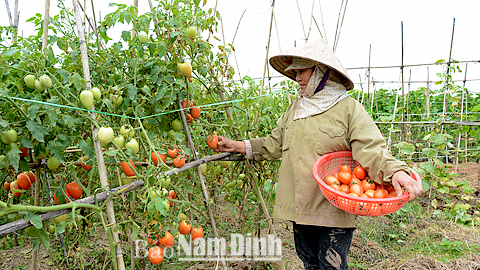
(87, 149)
(60, 227)
(135, 231)
(77, 81)
(34, 219)
(132, 91)
(14, 156)
(37, 130)
(69, 121)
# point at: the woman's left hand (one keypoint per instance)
(401, 180)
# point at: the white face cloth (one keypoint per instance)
(309, 104)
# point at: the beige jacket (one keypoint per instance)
(345, 126)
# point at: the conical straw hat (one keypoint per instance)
(316, 51)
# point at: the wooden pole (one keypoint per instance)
(323, 24)
(98, 148)
(46, 19)
(403, 91)
(368, 72)
(311, 18)
(268, 46)
(301, 19)
(427, 94)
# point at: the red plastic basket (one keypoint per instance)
(328, 164)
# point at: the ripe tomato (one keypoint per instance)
(23, 181)
(370, 193)
(196, 232)
(172, 152)
(353, 194)
(344, 188)
(335, 186)
(195, 112)
(344, 168)
(336, 175)
(189, 118)
(153, 240)
(155, 255)
(126, 168)
(363, 195)
(163, 157)
(380, 193)
(345, 177)
(185, 226)
(56, 199)
(179, 161)
(356, 188)
(329, 180)
(31, 176)
(25, 152)
(172, 194)
(355, 180)
(184, 103)
(368, 184)
(388, 187)
(6, 186)
(212, 141)
(14, 185)
(74, 190)
(359, 172)
(84, 166)
(167, 240)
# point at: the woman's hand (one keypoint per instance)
(401, 180)
(228, 145)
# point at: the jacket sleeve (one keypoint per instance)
(369, 148)
(270, 147)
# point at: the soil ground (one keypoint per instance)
(363, 249)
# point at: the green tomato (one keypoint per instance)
(125, 179)
(3, 162)
(46, 81)
(142, 37)
(96, 93)
(117, 100)
(204, 168)
(242, 176)
(120, 141)
(51, 229)
(53, 163)
(146, 125)
(166, 202)
(225, 163)
(86, 97)
(218, 170)
(192, 32)
(166, 182)
(144, 134)
(30, 81)
(239, 183)
(59, 219)
(182, 216)
(4, 139)
(127, 131)
(167, 6)
(133, 144)
(177, 125)
(105, 135)
(39, 86)
(171, 134)
(11, 135)
(11, 146)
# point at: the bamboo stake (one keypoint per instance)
(403, 90)
(36, 203)
(336, 27)
(448, 71)
(16, 15)
(276, 30)
(323, 24)
(318, 28)
(368, 71)
(427, 93)
(46, 19)
(311, 18)
(461, 118)
(301, 19)
(337, 37)
(268, 46)
(98, 148)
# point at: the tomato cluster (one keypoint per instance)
(162, 239)
(194, 112)
(24, 182)
(357, 183)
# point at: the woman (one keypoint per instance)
(321, 120)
